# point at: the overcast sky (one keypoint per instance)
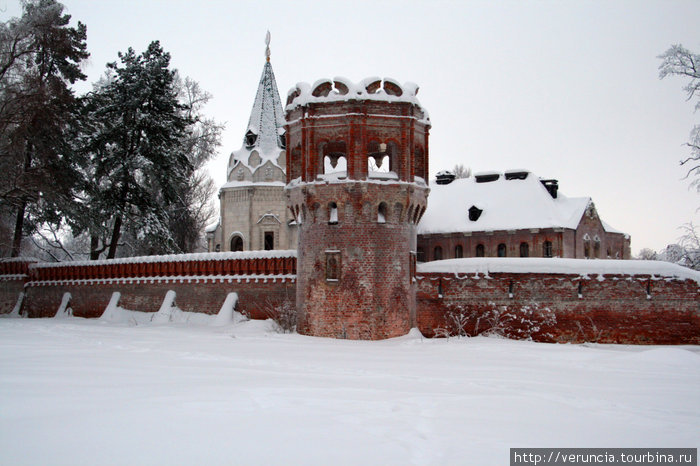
(566, 89)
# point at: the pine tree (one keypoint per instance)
(40, 57)
(137, 167)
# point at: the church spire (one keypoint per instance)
(266, 124)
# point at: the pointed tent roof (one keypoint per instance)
(267, 117)
(266, 123)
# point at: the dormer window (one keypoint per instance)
(250, 138)
(474, 213)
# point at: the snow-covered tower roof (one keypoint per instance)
(264, 136)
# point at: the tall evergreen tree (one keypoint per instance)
(135, 140)
(40, 58)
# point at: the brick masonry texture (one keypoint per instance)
(373, 295)
(255, 296)
(357, 235)
(629, 309)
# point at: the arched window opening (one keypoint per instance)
(334, 157)
(378, 158)
(459, 253)
(587, 249)
(524, 250)
(332, 213)
(335, 163)
(596, 248)
(250, 139)
(547, 249)
(236, 243)
(381, 213)
(502, 250)
(479, 250)
(437, 253)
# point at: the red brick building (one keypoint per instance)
(514, 214)
(356, 165)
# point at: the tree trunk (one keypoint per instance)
(19, 225)
(94, 244)
(115, 237)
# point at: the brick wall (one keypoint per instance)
(631, 309)
(10, 289)
(205, 294)
(201, 282)
(634, 308)
(372, 296)
(13, 275)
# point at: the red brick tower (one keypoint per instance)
(356, 169)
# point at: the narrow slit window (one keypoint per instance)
(269, 241)
(333, 213)
(381, 213)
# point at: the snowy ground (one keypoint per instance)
(76, 391)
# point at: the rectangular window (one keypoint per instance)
(412, 266)
(269, 240)
(332, 265)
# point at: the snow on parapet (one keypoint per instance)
(486, 265)
(342, 89)
(204, 256)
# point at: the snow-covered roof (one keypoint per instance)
(486, 265)
(265, 126)
(506, 204)
(212, 227)
(341, 89)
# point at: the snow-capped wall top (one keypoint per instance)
(486, 265)
(265, 132)
(505, 204)
(342, 89)
(204, 256)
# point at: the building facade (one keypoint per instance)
(513, 214)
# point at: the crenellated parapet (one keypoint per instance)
(339, 130)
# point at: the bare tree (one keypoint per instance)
(679, 61)
(460, 171)
(647, 254)
(690, 246)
